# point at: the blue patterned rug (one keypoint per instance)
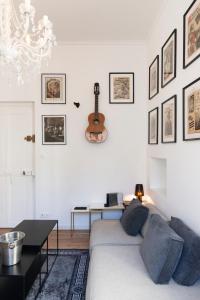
(67, 278)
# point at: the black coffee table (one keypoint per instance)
(16, 281)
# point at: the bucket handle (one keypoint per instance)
(11, 246)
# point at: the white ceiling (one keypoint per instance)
(99, 20)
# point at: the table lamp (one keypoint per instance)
(139, 191)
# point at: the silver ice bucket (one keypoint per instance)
(11, 247)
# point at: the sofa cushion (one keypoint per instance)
(188, 269)
(110, 232)
(117, 272)
(152, 210)
(161, 250)
(134, 217)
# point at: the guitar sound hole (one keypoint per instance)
(96, 121)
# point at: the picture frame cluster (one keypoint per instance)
(191, 92)
(53, 91)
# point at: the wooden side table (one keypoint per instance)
(93, 209)
(103, 209)
(78, 211)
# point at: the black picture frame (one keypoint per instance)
(194, 53)
(191, 113)
(58, 82)
(154, 113)
(155, 65)
(121, 84)
(54, 130)
(169, 125)
(173, 63)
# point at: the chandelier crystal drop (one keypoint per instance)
(23, 44)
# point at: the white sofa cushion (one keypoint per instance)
(110, 232)
(118, 273)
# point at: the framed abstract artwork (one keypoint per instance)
(168, 130)
(54, 129)
(191, 34)
(121, 88)
(153, 126)
(168, 64)
(154, 78)
(191, 111)
(53, 88)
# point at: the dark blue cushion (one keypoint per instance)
(134, 217)
(160, 250)
(188, 269)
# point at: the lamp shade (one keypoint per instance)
(139, 191)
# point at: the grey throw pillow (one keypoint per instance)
(152, 210)
(161, 250)
(134, 217)
(188, 268)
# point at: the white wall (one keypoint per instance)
(182, 158)
(81, 173)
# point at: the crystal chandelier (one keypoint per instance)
(23, 45)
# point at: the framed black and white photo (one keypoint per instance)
(191, 34)
(168, 64)
(54, 129)
(121, 88)
(191, 111)
(153, 126)
(154, 78)
(168, 133)
(53, 88)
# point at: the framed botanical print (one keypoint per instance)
(168, 64)
(53, 88)
(154, 78)
(54, 129)
(121, 88)
(191, 111)
(168, 133)
(191, 34)
(153, 126)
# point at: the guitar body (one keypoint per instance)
(96, 123)
(96, 131)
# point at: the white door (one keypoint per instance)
(16, 163)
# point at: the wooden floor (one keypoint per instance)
(78, 240)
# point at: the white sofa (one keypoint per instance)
(117, 271)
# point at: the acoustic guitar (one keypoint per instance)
(96, 131)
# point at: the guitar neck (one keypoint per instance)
(96, 108)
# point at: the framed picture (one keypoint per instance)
(168, 132)
(154, 78)
(121, 88)
(53, 88)
(191, 34)
(191, 111)
(168, 64)
(153, 126)
(54, 130)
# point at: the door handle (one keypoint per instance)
(30, 138)
(27, 173)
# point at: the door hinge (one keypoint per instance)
(30, 138)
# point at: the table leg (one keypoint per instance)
(72, 223)
(57, 237)
(24, 289)
(101, 214)
(47, 255)
(90, 220)
(40, 275)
